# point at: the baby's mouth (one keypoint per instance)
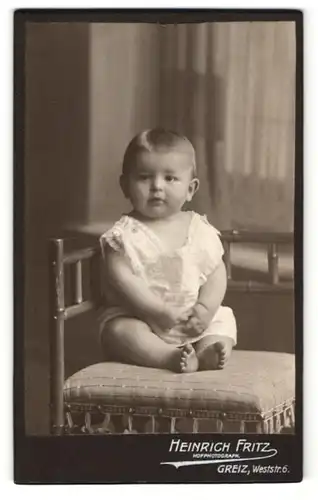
(156, 201)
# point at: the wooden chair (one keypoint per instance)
(254, 393)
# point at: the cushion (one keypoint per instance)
(251, 383)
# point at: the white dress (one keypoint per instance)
(174, 275)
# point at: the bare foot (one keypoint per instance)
(189, 361)
(216, 355)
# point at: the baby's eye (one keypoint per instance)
(171, 178)
(143, 177)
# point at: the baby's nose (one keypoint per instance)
(157, 183)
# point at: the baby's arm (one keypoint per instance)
(210, 298)
(135, 294)
(213, 290)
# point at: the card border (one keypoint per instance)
(37, 459)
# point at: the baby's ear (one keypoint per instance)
(193, 187)
(123, 181)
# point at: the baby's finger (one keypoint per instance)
(191, 323)
(187, 327)
(185, 316)
(182, 319)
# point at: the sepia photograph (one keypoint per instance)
(158, 229)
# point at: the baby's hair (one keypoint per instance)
(158, 139)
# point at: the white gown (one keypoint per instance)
(174, 275)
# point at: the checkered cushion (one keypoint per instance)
(252, 382)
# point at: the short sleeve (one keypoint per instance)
(121, 238)
(209, 247)
(113, 238)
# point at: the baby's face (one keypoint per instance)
(160, 183)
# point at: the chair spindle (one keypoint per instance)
(78, 283)
(272, 257)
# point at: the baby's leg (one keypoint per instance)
(214, 350)
(131, 341)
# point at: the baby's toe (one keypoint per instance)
(184, 357)
(222, 355)
(220, 348)
(187, 349)
(221, 363)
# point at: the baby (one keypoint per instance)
(163, 266)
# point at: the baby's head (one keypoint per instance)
(159, 173)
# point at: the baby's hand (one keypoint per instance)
(198, 321)
(170, 317)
